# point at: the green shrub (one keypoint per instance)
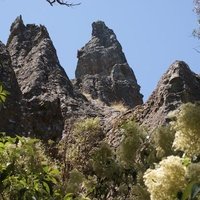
(187, 127)
(26, 172)
(103, 162)
(133, 137)
(75, 182)
(90, 124)
(85, 135)
(163, 139)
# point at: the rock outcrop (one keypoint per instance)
(103, 72)
(47, 93)
(177, 86)
(44, 103)
(10, 111)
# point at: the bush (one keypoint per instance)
(85, 135)
(163, 139)
(103, 162)
(26, 172)
(167, 180)
(187, 127)
(133, 137)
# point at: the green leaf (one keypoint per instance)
(36, 185)
(55, 172)
(68, 196)
(191, 191)
(1, 88)
(195, 190)
(3, 94)
(46, 186)
(186, 161)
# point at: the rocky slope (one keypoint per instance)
(103, 72)
(48, 97)
(44, 103)
(177, 86)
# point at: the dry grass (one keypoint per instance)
(119, 106)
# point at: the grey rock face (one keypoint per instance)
(10, 111)
(102, 70)
(101, 53)
(35, 61)
(177, 86)
(48, 95)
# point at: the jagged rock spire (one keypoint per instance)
(35, 60)
(102, 69)
(17, 25)
(47, 92)
(101, 53)
(177, 86)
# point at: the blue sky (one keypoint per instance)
(153, 33)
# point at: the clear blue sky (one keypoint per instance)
(153, 33)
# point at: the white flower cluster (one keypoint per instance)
(167, 179)
(187, 127)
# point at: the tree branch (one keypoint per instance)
(62, 2)
(198, 51)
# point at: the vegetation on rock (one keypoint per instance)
(142, 166)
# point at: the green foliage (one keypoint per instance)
(176, 177)
(103, 162)
(3, 95)
(191, 192)
(75, 181)
(133, 137)
(91, 125)
(187, 126)
(26, 172)
(92, 169)
(163, 139)
(139, 192)
(84, 136)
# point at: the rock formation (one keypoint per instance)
(177, 86)
(48, 95)
(103, 72)
(9, 117)
(43, 102)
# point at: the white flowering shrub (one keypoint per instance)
(187, 127)
(167, 180)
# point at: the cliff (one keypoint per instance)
(44, 103)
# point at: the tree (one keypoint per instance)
(62, 2)
(197, 6)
